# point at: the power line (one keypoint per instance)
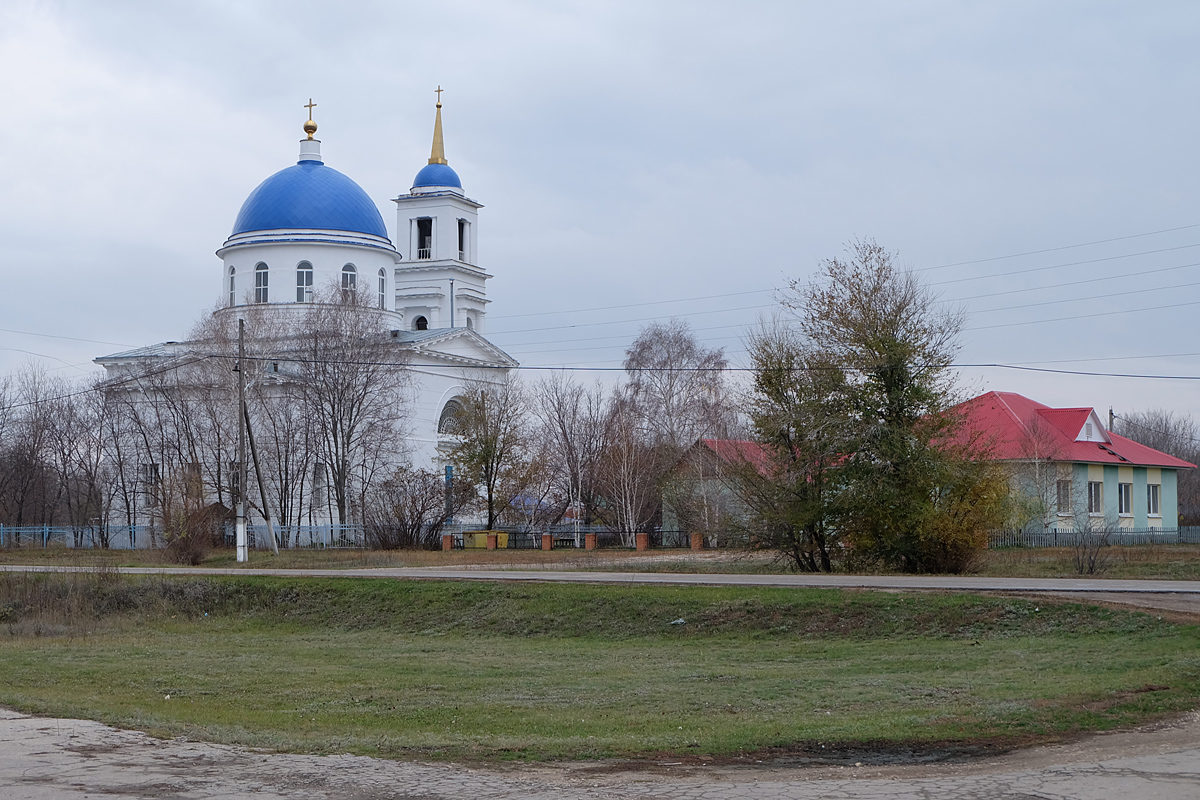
(1128, 421)
(632, 305)
(1057, 249)
(1083, 316)
(620, 321)
(295, 360)
(1139, 274)
(1068, 264)
(67, 338)
(1125, 293)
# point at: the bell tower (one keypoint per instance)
(440, 283)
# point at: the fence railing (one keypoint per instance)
(1072, 538)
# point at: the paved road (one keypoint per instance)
(937, 582)
(67, 759)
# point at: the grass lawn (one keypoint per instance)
(498, 671)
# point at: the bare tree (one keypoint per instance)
(573, 428)
(355, 386)
(630, 474)
(410, 508)
(492, 450)
(676, 386)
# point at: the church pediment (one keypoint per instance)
(454, 345)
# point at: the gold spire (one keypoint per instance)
(438, 155)
(310, 127)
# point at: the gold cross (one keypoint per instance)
(439, 94)
(311, 105)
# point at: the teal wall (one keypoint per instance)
(1168, 497)
(1169, 501)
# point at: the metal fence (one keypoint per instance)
(1071, 538)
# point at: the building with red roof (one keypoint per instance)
(1071, 470)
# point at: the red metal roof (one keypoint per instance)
(737, 451)
(1019, 428)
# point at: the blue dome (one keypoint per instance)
(437, 175)
(309, 195)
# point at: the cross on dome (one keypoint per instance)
(310, 127)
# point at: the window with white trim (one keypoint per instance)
(260, 282)
(349, 279)
(1125, 499)
(232, 286)
(1064, 498)
(304, 282)
(1153, 494)
(383, 289)
(420, 324)
(1095, 498)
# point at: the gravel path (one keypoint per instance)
(61, 758)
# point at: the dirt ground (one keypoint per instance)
(61, 758)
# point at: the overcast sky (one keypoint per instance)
(636, 160)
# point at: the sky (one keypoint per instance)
(1034, 162)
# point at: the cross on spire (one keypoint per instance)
(311, 105)
(439, 91)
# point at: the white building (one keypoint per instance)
(308, 226)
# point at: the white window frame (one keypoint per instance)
(232, 286)
(1154, 499)
(1125, 499)
(262, 276)
(383, 288)
(1095, 498)
(1065, 508)
(349, 279)
(304, 282)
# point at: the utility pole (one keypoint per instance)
(262, 489)
(240, 501)
(1111, 418)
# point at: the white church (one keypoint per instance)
(309, 226)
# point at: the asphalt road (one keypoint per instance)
(934, 582)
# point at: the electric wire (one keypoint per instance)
(1063, 247)
(1083, 316)
(1061, 266)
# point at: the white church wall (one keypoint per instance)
(328, 261)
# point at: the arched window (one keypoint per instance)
(349, 279)
(383, 288)
(260, 282)
(304, 282)
(420, 324)
(232, 286)
(450, 421)
(470, 324)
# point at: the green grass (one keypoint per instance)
(498, 671)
